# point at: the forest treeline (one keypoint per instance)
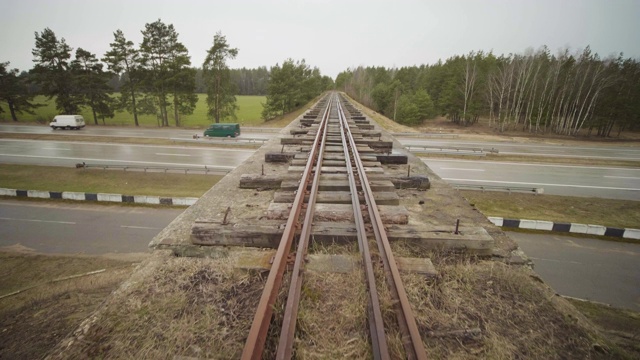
(155, 78)
(536, 91)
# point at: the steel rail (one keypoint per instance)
(412, 340)
(287, 334)
(254, 345)
(376, 323)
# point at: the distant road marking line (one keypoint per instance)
(622, 177)
(132, 145)
(501, 163)
(52, 148)
(40, 221)
(461, 169)
(139, 227)
(167, 154)
(541, 184)
(119, 162)
(567, 156)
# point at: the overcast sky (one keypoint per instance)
(332, 35)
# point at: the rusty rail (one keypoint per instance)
(412, 341)
(287, 334)
(376, 323)
(254, 346)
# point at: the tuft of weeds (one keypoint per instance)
(517, 317)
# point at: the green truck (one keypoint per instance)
(223, 130)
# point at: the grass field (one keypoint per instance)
(249, 113)
(49, 178)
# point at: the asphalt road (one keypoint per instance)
(587, 181)
(68, 153)
(586, 268)
(63, 228)
(514, 148)
(159, 133)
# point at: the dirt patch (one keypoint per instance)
(621, 326)
(47, 305)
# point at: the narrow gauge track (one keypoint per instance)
(333, 121)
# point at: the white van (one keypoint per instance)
(67, 122)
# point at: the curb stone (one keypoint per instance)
(100, 197)
(589, 229)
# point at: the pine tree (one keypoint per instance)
(221, 99)
(124, 60)
(91, 84)
(14, 91)
(52, 71)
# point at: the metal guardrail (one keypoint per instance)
(456, 148)
(209, 140)
(509, 189)
(451, 150)
(261, 129)
(205, 169)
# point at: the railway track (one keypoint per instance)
(336, 142)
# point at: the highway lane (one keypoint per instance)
(81, 228)
(586, 268)
(587, 181)
(114, 131)
(568, 180)
(68, 153)
(604, 151)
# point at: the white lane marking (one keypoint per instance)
(461, 169)
(622, 177)
(167, 154)
(511, 144)
(542, 184)
(567, 156)
(52, 148)
(39, 221)
(500, 163)
(139, 227)
(120, 162)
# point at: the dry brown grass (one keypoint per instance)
(185, 306)
(518, 318)
(204, 307)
